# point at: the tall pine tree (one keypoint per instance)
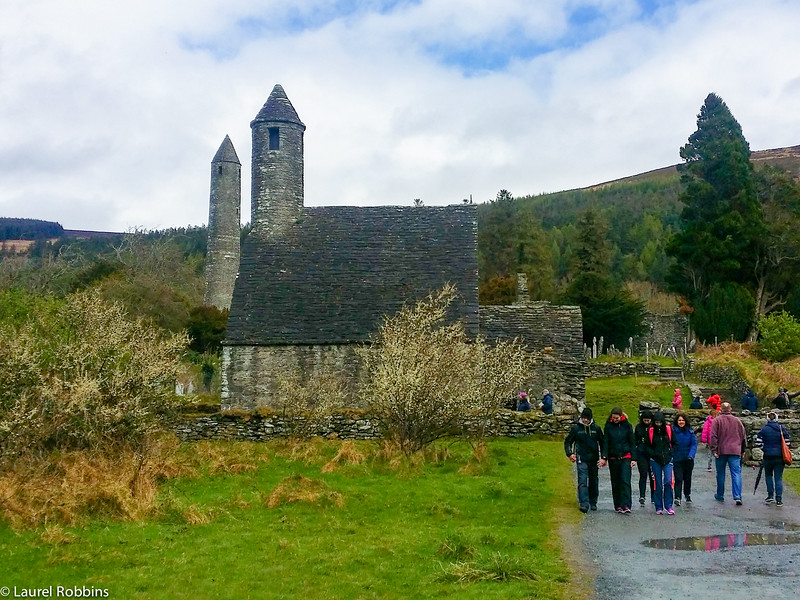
(722, 222)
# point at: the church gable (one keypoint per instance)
(339, 270)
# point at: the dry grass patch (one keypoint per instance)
(348, 454)
(497, 567)
(66, 488)
(477, 460)
(228, 459)
(298, 488)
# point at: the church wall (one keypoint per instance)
(251, 375)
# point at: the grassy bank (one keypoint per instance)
(278, 523)
(603, 394)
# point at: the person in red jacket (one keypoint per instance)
(714, 402)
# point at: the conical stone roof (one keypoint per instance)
(226, 152)
(278, 108)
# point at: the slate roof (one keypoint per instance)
(342, 268)
(226, 152)
(278, 108)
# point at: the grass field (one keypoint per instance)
(603, 394)
(273, 526)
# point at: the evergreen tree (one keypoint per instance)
(722, 219)
(608, 310)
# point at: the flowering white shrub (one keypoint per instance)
(425, 379)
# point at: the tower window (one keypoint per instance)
(219, 169)
(274, 139)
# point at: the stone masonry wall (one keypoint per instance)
(251, 374)
(661, 332)
(622, 369)
(353, 425)
(727, 376)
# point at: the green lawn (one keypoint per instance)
(603, 394)
(398, 534)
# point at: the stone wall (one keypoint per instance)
(622, 369)
(350, 425)
(661, 332)
(251, 375)
(554, 335)
(710, 373)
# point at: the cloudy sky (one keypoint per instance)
(111, 112)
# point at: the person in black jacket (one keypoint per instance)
(618, 449)
(583, 446)
(784, 399)
(640, 437)
(659, 449)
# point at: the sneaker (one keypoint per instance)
(593, 507)
(688, 500)
(619, 509)
(670, 511)
(641, 500)
(778, 502)
(718, 499)
(584, 509)
(769, 500)
(709, 469)
(626, 510)
(738, 501)
(677, 501)
(659, 512)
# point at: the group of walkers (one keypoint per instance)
(665, 452)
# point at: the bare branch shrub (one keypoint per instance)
(83, 375)
(426, 380)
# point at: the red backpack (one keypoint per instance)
(669, 433)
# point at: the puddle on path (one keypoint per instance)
(712, 543)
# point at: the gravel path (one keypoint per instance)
(629, 570)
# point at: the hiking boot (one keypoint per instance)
(769, 500)
(688, 500)
(670, 511)
(738, 501)
(677, 501)
(593, 507)
(778, 502)
(641, 500)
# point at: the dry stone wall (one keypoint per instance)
(237, 426)
(622, 369)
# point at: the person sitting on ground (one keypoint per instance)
(769, 439)
(697, 403)
(522, 402)
(749, 401)
(784, 399)
(677, 400)
(715, 402)
(546, 405)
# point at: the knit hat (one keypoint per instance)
(658, 416)
(646, 414)
(587, 413)
(522, 395)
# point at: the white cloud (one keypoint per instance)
(111, 114)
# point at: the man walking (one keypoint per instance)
(728, 441)
(583, 445)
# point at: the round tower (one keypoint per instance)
(224, 220)
(277, 183)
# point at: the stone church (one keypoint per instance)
(310, 284)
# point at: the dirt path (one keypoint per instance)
(629, 570)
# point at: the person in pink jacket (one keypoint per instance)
(677, 400)
(706, 434)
